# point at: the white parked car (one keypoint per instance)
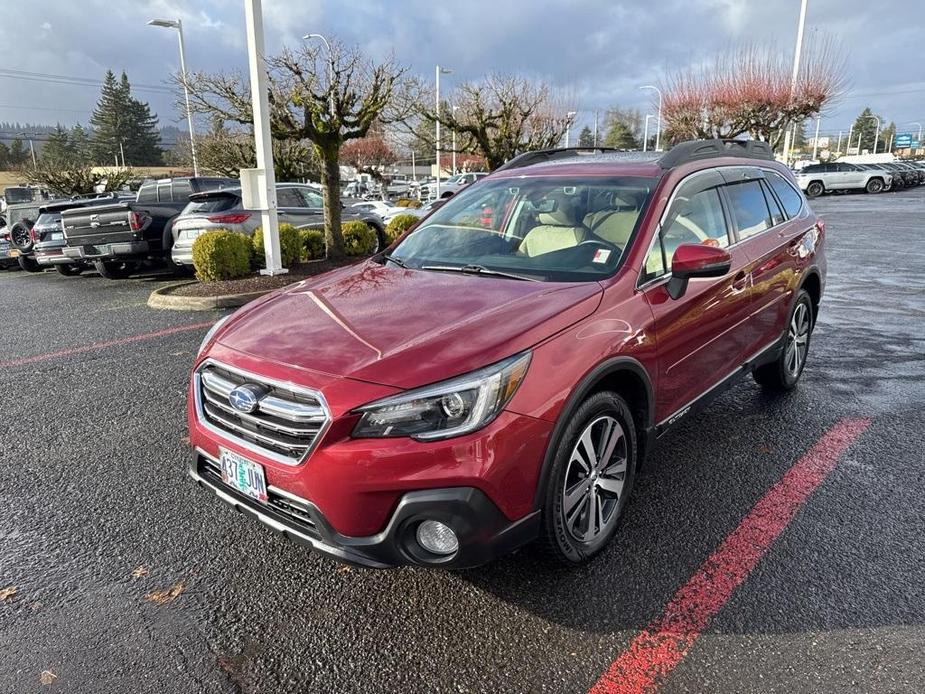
(817, 179)
(378, 207)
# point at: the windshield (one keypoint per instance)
(556, 229)
(14, 195)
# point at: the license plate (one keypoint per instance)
(244, 475)
(57, 236)
(14, 253)
(191, 234)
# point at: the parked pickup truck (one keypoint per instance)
(118, 237)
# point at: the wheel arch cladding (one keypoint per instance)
(624, 376)
(812, 283)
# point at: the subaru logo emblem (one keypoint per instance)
(245, 398)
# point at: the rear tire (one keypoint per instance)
(28, 264)
(815, 189)
(784, 373)
(113, 269)
(874, 186)
(588, 488)
(70, 269)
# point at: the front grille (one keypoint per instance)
(285, 426)
(284, 507)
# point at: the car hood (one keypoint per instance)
(404, 328)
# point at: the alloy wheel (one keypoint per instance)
(594, 479)
(797, 340)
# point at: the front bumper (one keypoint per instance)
(484, 532)
(107, 251)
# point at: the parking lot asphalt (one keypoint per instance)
(129, 578)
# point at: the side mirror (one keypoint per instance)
(693, 260)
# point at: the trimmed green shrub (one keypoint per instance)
(359, 238)
(408, 202)
(290, 246)
(221, 255)
(313, 243)
(399, 225)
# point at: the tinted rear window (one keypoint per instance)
(48, 219)
(789, 197)
(749, 208)
(210, 204)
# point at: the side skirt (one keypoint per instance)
(764, 356)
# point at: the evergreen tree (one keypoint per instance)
(865, 128)
(57, 150)
(80, 144)
(4, 156)
(18, 153)
(621, 127)
(121, 123)
(586, 137)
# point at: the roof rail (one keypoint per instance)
(711, 149)
(544, 155)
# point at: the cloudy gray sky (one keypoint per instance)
(601, 50)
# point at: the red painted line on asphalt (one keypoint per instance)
(22, 361)
(658, 648)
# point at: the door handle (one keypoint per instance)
(740, 281)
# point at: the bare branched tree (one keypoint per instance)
(78, 179)
(325, 102)
(496, 118)
(747, 90)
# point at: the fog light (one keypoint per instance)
(437, 538)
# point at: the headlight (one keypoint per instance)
(452, 408)
(209, 335)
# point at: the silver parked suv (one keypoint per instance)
(817, 179)
(298, 204)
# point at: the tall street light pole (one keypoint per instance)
(262, 179)
(327, 45)
(32, 149)
(645, 133)
(440, 71)
(455, 109)
(796, 71)
(816, 138)
(178, 25)
(658, 121)
(568, 126)
(877, 134)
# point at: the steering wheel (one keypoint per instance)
(598, 242)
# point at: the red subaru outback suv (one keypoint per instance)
(497, 376)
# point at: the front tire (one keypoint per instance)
(113, 269)
(784, 373)
(590, 481)
(815, 189)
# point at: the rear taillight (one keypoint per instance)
(135, 222)
(34, 234)
(234, 218)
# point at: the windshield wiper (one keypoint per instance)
(478, 270)
(392, 259)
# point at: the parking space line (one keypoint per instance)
(661, 646)
(48, 356)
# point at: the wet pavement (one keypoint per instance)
(129, 578)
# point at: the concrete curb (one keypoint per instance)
(163, 298)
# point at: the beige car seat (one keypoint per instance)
(561, 228)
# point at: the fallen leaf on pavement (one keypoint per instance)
(162, 597)
(765, 448)
(7, 593)
(344, 569)
(140, 572)
(47, 677)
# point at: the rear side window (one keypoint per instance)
(749, 208)
(182, 190)
(147, 193)
(163, 192)
(313, 199)
(211, 204)
(777, 214)
(289, 197)
(787, 194)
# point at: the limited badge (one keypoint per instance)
(601, 255)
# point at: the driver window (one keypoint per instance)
(696, 219)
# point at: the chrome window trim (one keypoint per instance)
(226, 436)
(642, 286)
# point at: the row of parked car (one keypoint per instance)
(118, 234)
(817, 179)
(424, 189)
